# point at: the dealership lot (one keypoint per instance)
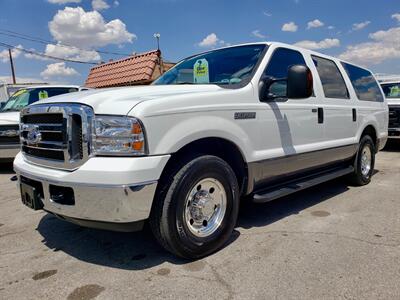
(332, 241)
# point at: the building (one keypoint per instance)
(139, 69)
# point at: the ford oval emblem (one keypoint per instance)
(33, 136)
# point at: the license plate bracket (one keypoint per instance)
(30, 196)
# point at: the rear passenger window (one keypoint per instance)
(364, 83)
(331, 78)
(278, 67)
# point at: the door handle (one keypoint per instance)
(320, 115)
(354, 115)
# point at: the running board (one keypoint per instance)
(298, 185)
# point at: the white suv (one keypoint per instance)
(391, 90)
(259, 120)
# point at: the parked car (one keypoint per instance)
(259, 120)
(391, 90)
(7, 89)
(9, 114)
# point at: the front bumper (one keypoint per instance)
(113, 191)
(8, 152)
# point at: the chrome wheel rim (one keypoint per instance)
(366, 160)
(205, 207)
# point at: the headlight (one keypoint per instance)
(115, 135)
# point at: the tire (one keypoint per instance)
(364, 162)
(184, 200)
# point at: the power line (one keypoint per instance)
(45, 55)
(11, 33)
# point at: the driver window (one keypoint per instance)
(278, 66)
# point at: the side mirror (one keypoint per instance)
(299, 82)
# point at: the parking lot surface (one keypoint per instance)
(331, 241)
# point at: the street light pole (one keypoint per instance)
(157, 36)
(12, 66)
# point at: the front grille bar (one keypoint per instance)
(66, 144)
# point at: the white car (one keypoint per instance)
(391, 90)
(259, 120)
(9, 114)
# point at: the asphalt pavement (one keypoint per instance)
(333, 241)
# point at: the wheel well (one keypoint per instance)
(219, 147)
(370, 130)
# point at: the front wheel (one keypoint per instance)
(196, 207)
(364, 162)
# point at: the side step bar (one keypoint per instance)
(298, 185)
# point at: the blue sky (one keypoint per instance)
(366, 32)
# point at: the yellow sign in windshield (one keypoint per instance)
(18, 93)
(43, 95)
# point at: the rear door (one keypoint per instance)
(339, 109)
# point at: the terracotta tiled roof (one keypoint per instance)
(127, 71)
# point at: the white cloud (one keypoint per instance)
(5, 56)
(210, 40)
(100, 5)
(331, 27)
(63, 1)
(359, 26)
(58, 70)
(74, 26)
(396, 17)
(116, 3)
(266, 13)
(34, 56)
(314, 24)
(8, 79)
(258, 34)
(324, 44)
(72, 53)
(385, 45)
(291, 26)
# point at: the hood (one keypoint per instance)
(121, 100)
(393, 101)
(9, 118)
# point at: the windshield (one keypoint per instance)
(24, 97)
(227, 66)
(391, 90)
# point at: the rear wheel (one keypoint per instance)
(196, 207)
(364, 162)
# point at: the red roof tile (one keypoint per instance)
(125, 71)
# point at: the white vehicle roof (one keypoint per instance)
(53, 86)
(390, 82)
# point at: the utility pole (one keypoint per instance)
(12, 66)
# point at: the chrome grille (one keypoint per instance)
(9, 134)
(56, 135)
(394, 116)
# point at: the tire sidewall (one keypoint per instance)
(365, 141)
(201, 168)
